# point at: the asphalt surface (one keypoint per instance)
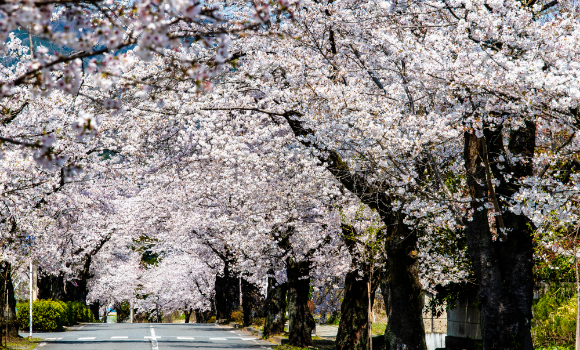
(149, 336)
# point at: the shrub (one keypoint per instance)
(50, 315)
(79, 313)
(211, 320)
(238, 316)
(259, 321)
(554, 322)
(47, 315)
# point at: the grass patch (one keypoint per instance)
(288, 347)
(21, 344)
(379, 328)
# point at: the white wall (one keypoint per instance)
(435, 340)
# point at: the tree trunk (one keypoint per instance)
(94, 307)
(275, 308)
(503, 268)
(187, 315)
(227, 294)
(403, 292)
(7, 297)
(202, 316)
(353, 328)
(301, 322)
(252, 302)
(55, 288)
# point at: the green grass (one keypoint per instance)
(21, 344)
(288, 347)
(379, 328)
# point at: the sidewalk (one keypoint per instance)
(325, 331)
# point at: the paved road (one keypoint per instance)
(149, 336)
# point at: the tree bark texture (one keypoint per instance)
(353, 328)
(95, 307)
(403, 292)
(301, 322)
(252, 302)
(187, 314)
(275, 308)
(227, 294)
(503, 268)
(202, 316)
(7, 292)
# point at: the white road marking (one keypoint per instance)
(230, 331)
(182, 338)
(83, 338)
(209, 338)
(41, 344)
(240, 338)
(117, 337)
(44, 338)
(153, 339)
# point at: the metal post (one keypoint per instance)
(30, 309)
(34, 282)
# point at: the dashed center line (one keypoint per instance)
(217, 339)
(185, 338)
(41, 344)
(240, 338)
(83, 338)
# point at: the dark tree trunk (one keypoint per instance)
(55, 287)
(275, 308)
(301, 322)
(7, 297)
(123, 311)
(353, 328)
(252, 302)
(187, 315)
(227, 294)
(403, 296)
(202, 316)
(503, 268)
(94, 307)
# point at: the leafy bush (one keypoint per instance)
(211, 320)
(47, 315)
(238, 316)
(50, 315)
(259, 321)
(554, 322)
(79, 313)
(333, 318)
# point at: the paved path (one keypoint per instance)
(149, 336)
(326, 330)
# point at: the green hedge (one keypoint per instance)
(51, 315)
(554, 322)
